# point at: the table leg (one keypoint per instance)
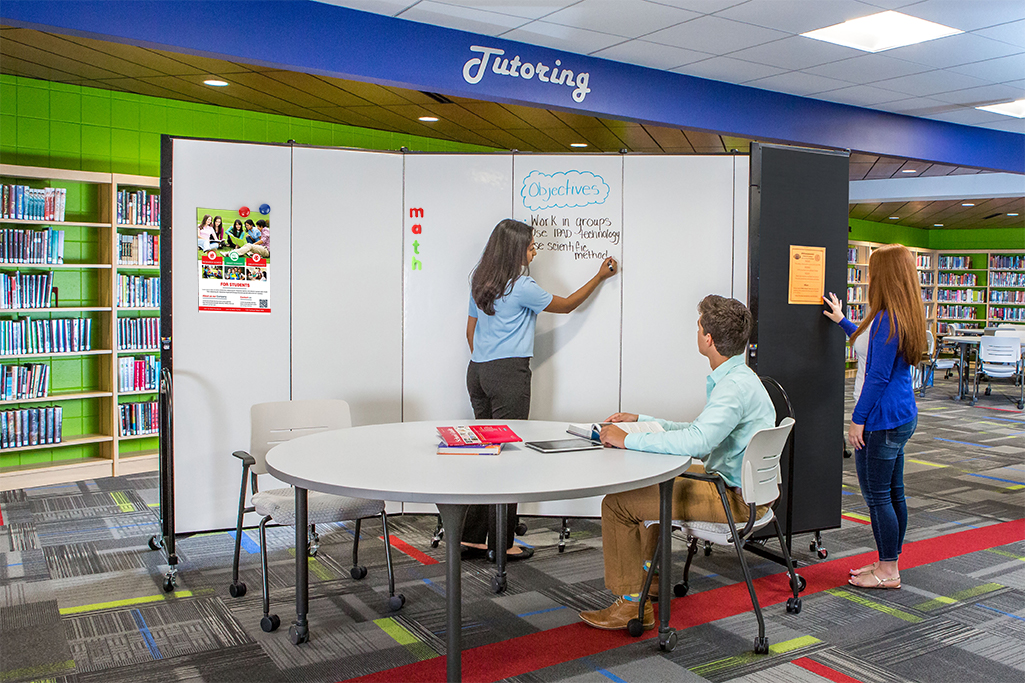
(666, 635)
(452, 517)
(499, 580)
(299, 631)
(961, 371)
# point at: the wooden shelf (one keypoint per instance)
(73, 441)
(49, 474)
(138, 308)
(80, 224)
(130, 226)
(68, 396)
(143, 392)
(58, 309)
(69, 354)
(136, 463)
(55, 266)
(129, 352)
(126, 266)
(134, 437)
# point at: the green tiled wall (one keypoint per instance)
(946, 239)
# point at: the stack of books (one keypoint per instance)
(475, 439)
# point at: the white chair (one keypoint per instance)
(926, 370)
(1000, 358)
(944, 363)
(274, 423)
(760, 479)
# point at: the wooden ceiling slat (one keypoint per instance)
(318, 87)
(669, 138)
(496, 115)
(538, 118)
(861, 211)
(705, 143)
(67, 50)
(261, 82)
(207, 65)
(636, 138)
(600, 139)
(504, 139)
(346, 116)
(372, 93)
(538, 141)
(858, 171)
(16, 66)
(29, 53)
(862, 158)
(965, 170)
(884, 168)
(937, 170)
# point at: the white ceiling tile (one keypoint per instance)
(462, 18)
(877, 5)
(714, 35)
(916, 106)
(796, 83)
(796, 52)
(867, 68)
(968, 15)
(565, 38)
(1010, 124)
(651, 55)
(968, 116)
(527, 9)
(700, 6)
(930, 83)
(858, 95)
(963, 48)
(1012, 32)
(1000, 70)
(796, 16)
(978, 97)
(627, 19)
(729, 70)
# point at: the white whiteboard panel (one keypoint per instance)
(224, 362)
(463, 197)
(680, 235)
(347, 280)
(741, 197)
(574, 204)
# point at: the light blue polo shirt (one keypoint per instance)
(509, 333)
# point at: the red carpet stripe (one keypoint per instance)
(534, 651)
(1, 516)
(407, 549)
(824, 671)
(855, 519)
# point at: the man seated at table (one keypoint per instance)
(736, 407)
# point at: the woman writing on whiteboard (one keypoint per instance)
(888, 342)
(504, 303)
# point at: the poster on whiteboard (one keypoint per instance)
(234, 261)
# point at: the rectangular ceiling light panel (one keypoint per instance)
(882, 31)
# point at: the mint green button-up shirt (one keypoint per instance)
(736, 407)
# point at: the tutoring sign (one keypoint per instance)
(234, 262)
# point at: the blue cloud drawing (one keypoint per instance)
(563, 190)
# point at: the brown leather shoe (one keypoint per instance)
(618, 614)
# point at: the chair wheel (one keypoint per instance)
(498, 584)
(680, 589)
(491, 556)
(434, 543)
(270, 623)
(395, 602)
(667, 643)
(822, 553)
(813, 546)
(801, 583)
(520, 529)
(154, 544)
(761, 646)
(298, 636)
(989, 391)
(562, 548)
(708, 550)
(794, 605)
(358, 572)
(635, 628)
(237, 590)
(168, 584)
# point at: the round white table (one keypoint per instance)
(398, 462)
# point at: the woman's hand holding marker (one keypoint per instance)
(609, 267)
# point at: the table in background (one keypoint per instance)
(398, 462)
(963, 342)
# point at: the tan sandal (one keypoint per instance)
(881, 584)
(867, 569)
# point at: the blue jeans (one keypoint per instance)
(880, 466)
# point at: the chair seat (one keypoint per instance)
(323, 507)
(945, 363)
(1000, 371)
(714, 532)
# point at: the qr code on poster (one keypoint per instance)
(263, 303)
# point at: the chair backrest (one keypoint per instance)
(760, 471)
(1000, 349)
(930, 344)
(280, 421)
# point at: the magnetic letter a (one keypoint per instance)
(417, 229)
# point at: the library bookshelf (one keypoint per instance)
(101, 212)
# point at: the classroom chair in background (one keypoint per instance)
(277, 422)
(760, 478)
(1000, 358)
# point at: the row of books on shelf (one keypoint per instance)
(138, 333)
(956, 312)
(138, 250)
(135, 291)
(138, 374)
(1000, 296)
(923, 261)
(926, 277)
(1007, 279)
(852, 254)
(21, 202)
(854, 275)
(138, 418)
(31, 427)
(857, 293)
(31, 246)
(26, 290)
(955, 262)
(960, 279)
(967, 295)
(1007, 262)
(926, 294)
(55, 335)
(855, 312)
(31, 380)
(138, 207)
(1015, 314)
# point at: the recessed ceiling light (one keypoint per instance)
(882, 31)
(429, 119)
(909, 170)
(1012, 214)
(215, 83)
(1015, 109)
(937, 225)
(894, 218)
(578, 144)
(967, 204)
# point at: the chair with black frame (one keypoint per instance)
(1000, 358)
(760, 477)
(277, 422)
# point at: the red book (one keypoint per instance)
(475, 435)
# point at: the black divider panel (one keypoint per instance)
(799, 197)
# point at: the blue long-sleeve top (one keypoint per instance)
(887, 398)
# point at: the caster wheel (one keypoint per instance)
(669, 643)
(801, 583)
(395, 602)
(270, 623)
(793, 605)
(434, 543)
(491, 556)
(358, 572)
(154, 544)
(761, 646)
(520, 529)
(298, 636)
(708, 550)
(562, 548)
(168, 584)
(635, 628)
(680, 589)
(237, 590)
(498, 584)
(812, 546)
(822, 553)
(848, 453)
(989, 391)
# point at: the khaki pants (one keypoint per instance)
(627, 544)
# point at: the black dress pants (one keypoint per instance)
(499, 390)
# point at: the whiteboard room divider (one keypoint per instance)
(369, 289)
